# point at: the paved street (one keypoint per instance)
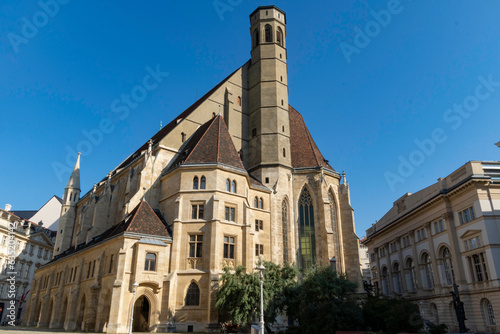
(21, 330)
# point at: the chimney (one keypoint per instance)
(8, 207)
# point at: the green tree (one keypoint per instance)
(239, 292)
(391, 315)
(325, 302)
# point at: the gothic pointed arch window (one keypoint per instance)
(228, 185)
(193, 295)
(195, 182)
(279, 36)
(333, 221)
(233, 186)
(203, 182)
(284, 226)
(255, 202)
(261, 203)
(306, 230)
(268, 33)
(255, 38)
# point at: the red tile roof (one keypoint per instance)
(305, 153)
(211, 143)
(145, 221)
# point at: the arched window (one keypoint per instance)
(228, 185)
(150, 263)
(411, 278)
(434, 313)
(429, 277)
(284, 226)
(255, 40)
(279, 36)
(385, 281)
(489, 316)
(261, 203)
(233, 186)
(396, 278)
(306, 230)
(255, 202)
(449, 273)
(268, 33)
(202, 182)
(333, 222)
(193, 295)
(195, 182)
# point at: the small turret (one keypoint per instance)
(68, 210)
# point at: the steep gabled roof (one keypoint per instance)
(142, 220)
(211, 143)
(305, 153)
(170, 126)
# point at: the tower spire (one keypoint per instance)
(68, 210)
(74, 179)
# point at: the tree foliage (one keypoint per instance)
(324, 302)
(239, 292)
(391, 315)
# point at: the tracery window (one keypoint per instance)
(284, 226)
(306, 230)
(193, 295)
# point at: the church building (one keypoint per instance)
(235, 178)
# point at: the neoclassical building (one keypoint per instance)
(24, 247)
(234, 178)
(444, 235)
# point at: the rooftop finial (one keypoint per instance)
(345, 178)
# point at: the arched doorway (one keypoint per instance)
(81, 315)
(141, 315)
(63, 312)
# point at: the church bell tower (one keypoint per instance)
(269, 124)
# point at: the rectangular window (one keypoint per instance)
(150, 263)
(466, 215)
(229, 213)
(259, 225)
(197, 211)
(259, 250)
(195, 245)
(229, 247)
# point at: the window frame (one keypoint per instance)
(229, 247)
(195, 246)
(150, 263)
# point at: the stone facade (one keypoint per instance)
(443, 235)
(234, 178)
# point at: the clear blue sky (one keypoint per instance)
(429, 73)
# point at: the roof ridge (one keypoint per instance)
(201, 138)
(218, 140)
(232, 142)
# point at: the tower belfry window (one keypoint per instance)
(279, 36)
(255, 39)
(268, 33)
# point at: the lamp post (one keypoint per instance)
(261, 269)
(134, 290)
